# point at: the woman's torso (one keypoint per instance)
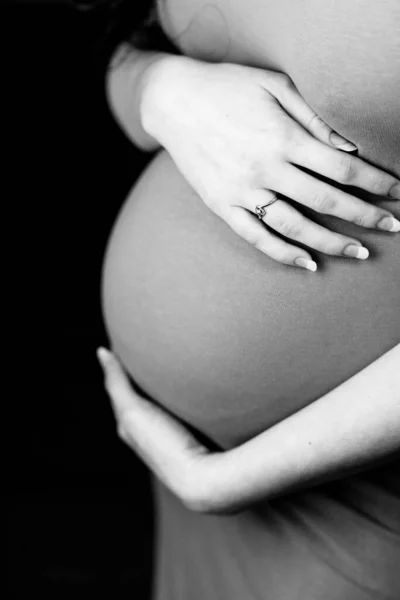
(233, 342)
(344, 57)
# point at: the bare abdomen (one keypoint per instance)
(225, 337)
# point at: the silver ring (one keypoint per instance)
(259, 209)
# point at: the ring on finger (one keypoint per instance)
(260, 209)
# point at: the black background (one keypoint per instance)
(80, 516)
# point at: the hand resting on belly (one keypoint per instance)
(243, 137)
(353, 427)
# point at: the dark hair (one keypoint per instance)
(135, 23)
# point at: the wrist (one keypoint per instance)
(127, 80)
(158, 92)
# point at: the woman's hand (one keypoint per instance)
(238, 135)
(354, 427)
(168, 449)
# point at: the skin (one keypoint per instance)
(238, 135)
(354, 427)
(262, 131)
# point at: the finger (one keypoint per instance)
(164, 444)
(251, 229)
(326, 199)
(117, 383)
(292, 224)
(295, 105)
(343, 168)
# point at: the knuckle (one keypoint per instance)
(317, 124)
(326, 249)
(331, 247)
(379, 184)
(285, 81)
(281, 255)
(363, 219)
(286, 258)
(290, 229)
(246, 233)
(281, 140)
(286, 133)
(346, 171)
(255, 172)
(269, 249)
(324, 203)
(279, 79)
(258, 243)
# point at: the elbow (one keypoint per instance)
(207, 504)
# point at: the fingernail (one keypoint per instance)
(395, 191)
(341, 142)
(389, 224)
(356, 251)
(310, 265)
(103, 355)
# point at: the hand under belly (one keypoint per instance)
(224, 337)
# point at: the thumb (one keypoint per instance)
(116, 382)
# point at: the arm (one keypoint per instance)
(353, 427)
(126, 80)
(235, 133)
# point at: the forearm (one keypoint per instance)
(354, 427)
(127, 83)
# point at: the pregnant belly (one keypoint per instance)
(227, 339)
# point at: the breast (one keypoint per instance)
(344, 57)
(199, 28)
(224, 337)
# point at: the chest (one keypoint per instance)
(344, 57)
